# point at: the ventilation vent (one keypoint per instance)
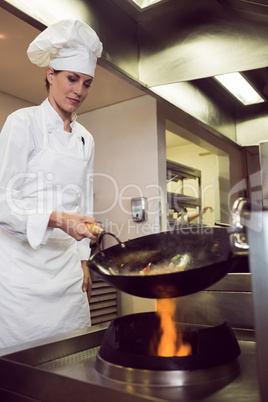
(103, 302)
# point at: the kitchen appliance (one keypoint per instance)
(65, 368)
(139, 208)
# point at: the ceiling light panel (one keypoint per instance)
(145, 3)
(51, 11)
(239, 87)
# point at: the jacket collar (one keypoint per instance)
(53, 119)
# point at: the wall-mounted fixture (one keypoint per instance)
(239, 87)
(139, 209)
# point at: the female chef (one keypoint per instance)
(46, 198)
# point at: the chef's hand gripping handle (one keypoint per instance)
(94, 229)
(100, 233)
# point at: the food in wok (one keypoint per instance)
(177, 264)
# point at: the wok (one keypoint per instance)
(202, 252)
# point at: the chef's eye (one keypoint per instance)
(71, 78)
(87, 85)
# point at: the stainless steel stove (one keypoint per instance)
(65, 370)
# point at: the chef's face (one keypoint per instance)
(68, 90)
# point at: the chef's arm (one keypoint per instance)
(72, 223)
(87, 282)
(75, 225)
(18, 215)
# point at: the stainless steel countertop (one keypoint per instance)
(68, 366)
(243, 388)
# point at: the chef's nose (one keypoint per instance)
(79, 88)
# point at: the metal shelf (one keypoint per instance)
(178, 200)
(178, 172)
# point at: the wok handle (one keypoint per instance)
(102, 234)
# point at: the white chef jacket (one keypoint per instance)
(42, 168)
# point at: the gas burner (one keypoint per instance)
(124, 355)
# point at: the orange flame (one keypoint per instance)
(171, 342)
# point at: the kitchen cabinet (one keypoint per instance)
(177, 199)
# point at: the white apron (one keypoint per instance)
(41, 289)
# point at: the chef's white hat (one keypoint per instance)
(68, 45)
